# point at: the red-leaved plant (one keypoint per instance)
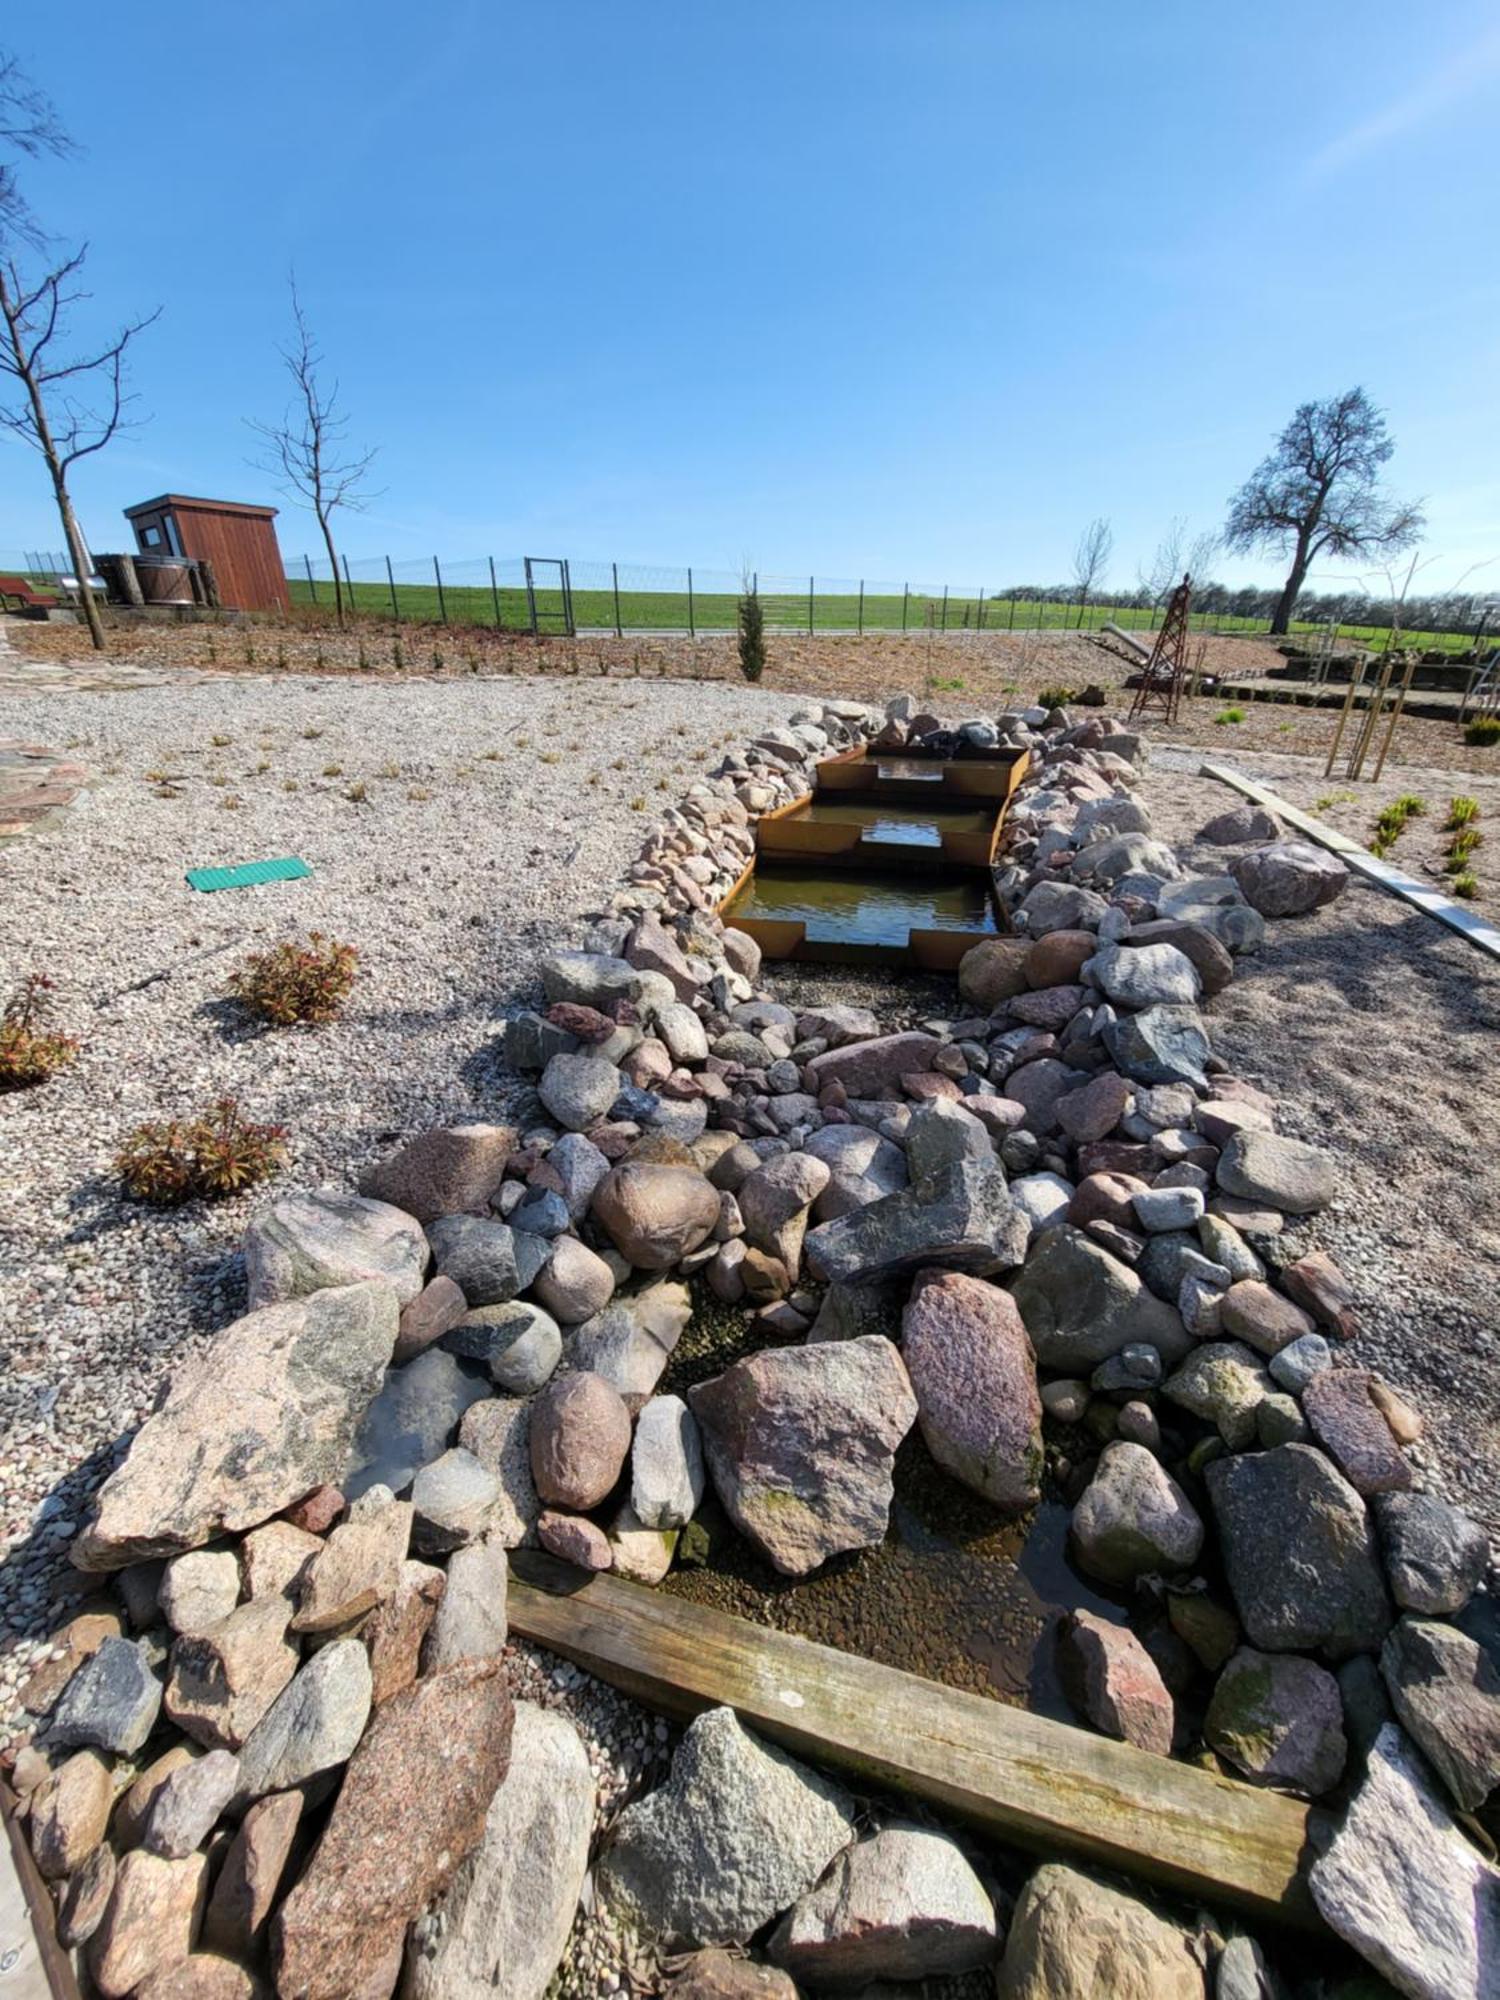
(292, 982)
(30, 1051)
(170, 1161)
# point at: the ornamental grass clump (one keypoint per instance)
(1482, 731)
(30, 1051)
(1391, 823)
(171, 1161)
(297, 983)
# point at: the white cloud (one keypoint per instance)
(1460, 77)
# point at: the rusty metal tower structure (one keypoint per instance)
(1164, 673)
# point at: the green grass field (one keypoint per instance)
(833, 611)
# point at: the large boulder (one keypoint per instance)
(313, 1724)
(502, 1926)
(873, 1069)
(801, 1441)
(774, 1201)
(1435, 1556)
(451, 1170)
(1445, 1690)
(1134, 1520)
(902, 1905)
(267, 1412)
(974, 1376)
(737, 1833)
(1278, 1719)
(1299, 1553)
(654, 1215)
(1289, 877)
(1071, 1938)
(962, 1219)
(1144, 975)
(411, 1808)
(578, 1090)
(994, 970)
(1402, 1885)
(1081, 1305)
(1281, 1173)
(306, 1243)
(1161, 1044)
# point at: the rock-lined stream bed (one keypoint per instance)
(1020, 1311)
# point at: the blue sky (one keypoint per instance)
(908, 291)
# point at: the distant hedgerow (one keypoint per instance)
(294, 983)
(170, 1161)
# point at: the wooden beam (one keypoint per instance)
(1015, 1777)
(1467, 923)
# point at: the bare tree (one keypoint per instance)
(65, 406)
(1091, 559)
(307, 451)
(29, 127)
(1319, 494)
(1165, 568)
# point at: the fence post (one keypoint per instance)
(390, 577)
(905, 600)
(495, 595)
(614, 577)
(692, 625)
(861, 604)
(1010, 622)
(348, 583)
(945, 608)
(980, 625)
(311, 583)
(809, 606)
(442, 601)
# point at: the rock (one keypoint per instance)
(962, 1219)
(135, 1806)
(453, 1502)
(667, 1475)
(1244, 822)
(632, 1340)
(1095, 1108)
(1199, 946)
(1316, 1282)
(1289, 877)
(994, 971)
(249, 1880)
(1162, 1044)
(517, 1341)
(502, 1926)
(224, 1681)
(394, 1631)
(1116, 857)
(410, 1811)
(436, 1310)
(655, 1215)
(902, 1905)
(576, 1282)
(70, 1813)
(1071, 1938)
(1144, 975)
(1111, 1678)
(87, 1897)
(579, 1090)
(1042, 1198)
(875, 1068)
(411, 1420)
(1286, 1174)
(1340, 1405)
(488, 1260)
(1039, 1086)
(317, 1511)
(1279, 1720)
(1402, 1885)
(313, 1724)
(1209, 1629)
(739, 1831)
(651, 947)
(1081, 1305)
(542, 1212)
(152, 1920)
(974, 1378)
(1134, 1520)
(1105, 1197)
(1226, 1247)
(1291, 1501)
(774, 1201)
(1059, 906)
(640, 1553)
(592, 978)
(682, 1031)
(1446, 1693)
(1162, 1208)
(452, 1170)
(498, 1432)
(306, 1243)
(1054, 960)
(264, 1414)
(1435, 1556)
(111, 1702)
(199, 1589)
(574, 1538)
(202, 1975)
(580, 1437)
(359, 1566)
(470, 1620)
(1263, 1319)
(187, 1806)
(721, 1975)
(1065, 1400)
(800, 1443)
(1050, 1009)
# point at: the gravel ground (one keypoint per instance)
(1375, 1028)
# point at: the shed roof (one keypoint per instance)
(189, 500)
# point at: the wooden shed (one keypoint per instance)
(239, 540)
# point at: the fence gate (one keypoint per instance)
(549, 595)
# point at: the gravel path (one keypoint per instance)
(494, 815)
(1376, 1028)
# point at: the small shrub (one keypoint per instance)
(752, 636)
(1465, 885)
(390, 769)
(1482, 731)
(357, 793)
(954, 686)
(170, 1161)
(398, 655)
(1410, 805)
(1056, 697)
(296, 982)
(311, 733)
(417, 793)
(333, 770)
(1460, 847)
(1335, 799)
(221, 742)
(30, 1051)
(1461, 811)
(637, 805)
(549, 757)
(1227, 715)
